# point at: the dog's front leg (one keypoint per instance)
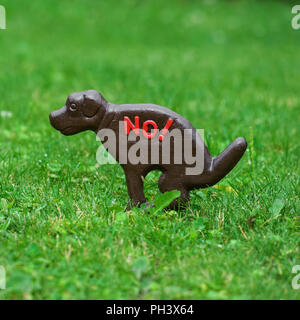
(135, 186)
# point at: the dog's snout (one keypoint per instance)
(52, 117)
(55, 116)
(56, 113)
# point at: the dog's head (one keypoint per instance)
(82, 111)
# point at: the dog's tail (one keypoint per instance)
(226, 161)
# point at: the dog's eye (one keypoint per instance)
(73, 107)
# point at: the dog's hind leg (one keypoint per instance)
(169, 183)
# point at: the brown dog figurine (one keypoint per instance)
(166, 141)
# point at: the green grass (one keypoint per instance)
(230, 67)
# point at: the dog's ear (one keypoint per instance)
(89, 107)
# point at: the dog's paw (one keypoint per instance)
(144, 206)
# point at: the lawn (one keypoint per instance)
(231, 68)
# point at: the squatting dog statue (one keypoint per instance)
(148, 137)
